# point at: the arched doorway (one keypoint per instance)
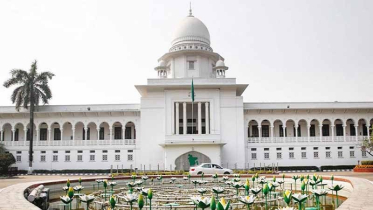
(192, 158)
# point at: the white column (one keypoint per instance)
(207, 118)
(320, 130)
(86, 133)
(111, 133)
(344, 132)
(260, 133)
(25, 136)
(50, 134)
(2, 133)
(184, 118)
(73, 129)
(356, 131)
(271, 134)
(37, 135)
(308, 132)
(13, 134)
(123, 132)
(61, 129)
(98, 134)
(283, 130)
(332, 126)
(296, 132)
(199, 118)
(177, 118)
(132, 132)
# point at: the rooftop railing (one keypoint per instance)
(72, 142)
(255, 140)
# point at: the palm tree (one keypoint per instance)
(32, 87)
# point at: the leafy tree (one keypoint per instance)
(6, 159)
(32, 89)
(367, 144)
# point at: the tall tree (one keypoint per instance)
(32, 87)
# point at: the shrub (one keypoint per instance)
(6, 159)
(298, 168)
(364, 166)
(367, 162)
(337, 167)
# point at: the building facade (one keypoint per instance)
(168, 130)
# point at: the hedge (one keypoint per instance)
(323, 168)
(298, 168)
(367, 162)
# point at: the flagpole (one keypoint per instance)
(192, 116)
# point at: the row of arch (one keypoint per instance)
(312, 127)
(69, 131)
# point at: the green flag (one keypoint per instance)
(192, 91)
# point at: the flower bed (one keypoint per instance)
(363, 168)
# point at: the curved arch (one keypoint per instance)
(92, 124)
(277, 120)
(303, 120)
(7, 124)
(104, 129)
(7, 133)
(79, 123)
(117, 130)
(79, 129)
(252, 122)
(130, 130)
(340, 121)
(55, 129)
(67, 131)
(265, 121)
(350, 127)
(362, 129)
(43, 124)
(350, 119)
(327, 120)
(19, 132)
(315, 121)
(191, 158)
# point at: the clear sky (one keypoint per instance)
(288, 50)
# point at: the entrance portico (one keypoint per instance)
(178, 156)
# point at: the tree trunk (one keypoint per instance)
(31, 128)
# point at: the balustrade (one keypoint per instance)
(71, 142)
(305, 139)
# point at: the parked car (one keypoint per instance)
(209, 168)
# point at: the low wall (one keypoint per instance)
(360, 199)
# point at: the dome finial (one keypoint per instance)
(190, 9)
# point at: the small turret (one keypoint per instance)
(220, 69)
(161, 69)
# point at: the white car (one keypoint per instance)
(209, 168)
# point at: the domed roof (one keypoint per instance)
(162, 63)
(220, 63)
(191, 29)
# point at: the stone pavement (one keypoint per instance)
(11, 198)
(361, 197)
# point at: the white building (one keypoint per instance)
(163, 131)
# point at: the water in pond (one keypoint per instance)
(178, 194)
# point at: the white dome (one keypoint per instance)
(191, 29)
(162, 63)
(220, 63)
